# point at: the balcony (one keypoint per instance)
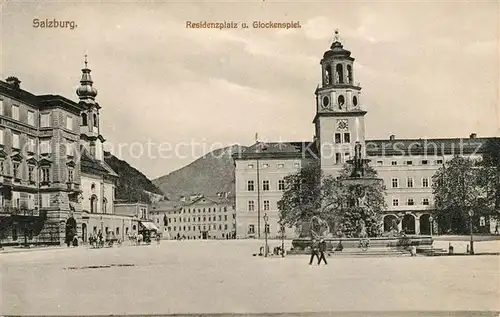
(19, 211)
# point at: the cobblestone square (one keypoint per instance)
(223, 277)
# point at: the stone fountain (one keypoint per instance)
(356, 183)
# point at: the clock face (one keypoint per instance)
(342, 125)
(326, 101)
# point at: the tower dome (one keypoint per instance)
(336, 49)
(86, 90)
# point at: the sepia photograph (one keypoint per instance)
(256, 158)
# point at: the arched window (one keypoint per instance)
(84, 119)
(328, 75)
(95, 120)
(93, 204)
(349, 74)
(339, 74)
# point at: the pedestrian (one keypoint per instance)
(314, 251)
(322, 249)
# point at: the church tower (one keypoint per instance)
(339, 121)
(90, 136)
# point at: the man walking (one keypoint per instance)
(322, 249)
(314, 251)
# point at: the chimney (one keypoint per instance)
(14, 81)
(473, 135)
(392, 137)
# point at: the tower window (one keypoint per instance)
(347, 138)
(326, 101)
(84, 119)
(355, 101)
(349, 74)
(338, 138)
(95, 120)
(341, 101)
(337, 158)
(328, 75)
(339, 73)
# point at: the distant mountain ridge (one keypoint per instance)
(132, 185)
(211, 174)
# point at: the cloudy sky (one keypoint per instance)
(427, 69)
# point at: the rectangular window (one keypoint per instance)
(338, 138)
(346, 156)
(225, 217)
(409, 162)
(409, 182)
(380, 162)
(439, 162)
(251, 229)
(425, 162)
(1, 167)
(425, 182)
(1, 137)
(70, 175)
(266, 228)
(395, 202)
(45, 200)
(31, 145)
(347, 137)
(266, 204)
(394, 163)
(281, 165)
(45, 120)
(45, 174)
(16, 169)
(410, 202)
(281, 184)
(45, 147)
(250, 166)
(31, 170)
(338, 158)
(69, 148)
(225, 226)
(265, 185)
(395, 183)
(31, 117)
(15, 141)
(425, 201)
(250, 186)
(15, 112)
(69, 123)
(251, 205)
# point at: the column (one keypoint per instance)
(417, 225)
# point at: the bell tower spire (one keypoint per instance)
(338, 107)
(90, 136)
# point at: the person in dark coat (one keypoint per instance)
(322, 250)
(314, 251)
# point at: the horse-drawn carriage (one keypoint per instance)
(98, 241)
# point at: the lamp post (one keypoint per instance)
(471, 213)
(266, 218)
(282, 241)
(431, 224)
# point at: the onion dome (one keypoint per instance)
(336, 49)
(86, 91)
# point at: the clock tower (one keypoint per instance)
(339, 121)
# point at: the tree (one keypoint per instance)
(456, 188)
(310, 193)
(301, 199)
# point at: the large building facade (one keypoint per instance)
(54, 182)
(405, 165)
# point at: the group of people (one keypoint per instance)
(98, 240)
(318, 250)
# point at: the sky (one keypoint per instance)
(169, 93)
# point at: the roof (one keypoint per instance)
(91, 165)
(440, 146)
(393, 147)
(301, 149)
